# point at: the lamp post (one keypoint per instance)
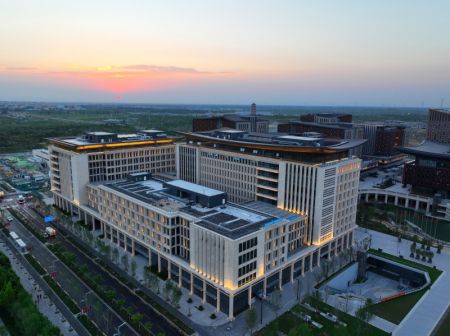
(118, 329)
(261, 299)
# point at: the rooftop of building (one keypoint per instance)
(275, 141)
(428, 148)
(106, 140)
(442, 110)
(232, 117)
(338, 125)
(228, 219)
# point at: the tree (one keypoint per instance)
(150, 279)
(133, 268)
(90, 237)
(115, 255)
(275, 301)
(176, 296)
(148, 326)
(136, 318)
(413, 249)
(124, 261)
(250, 319)
(167, 289)
(110, 294)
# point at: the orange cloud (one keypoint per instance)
(120, 79)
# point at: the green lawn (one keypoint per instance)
(395, 310)
(444, 328)
(433, 272)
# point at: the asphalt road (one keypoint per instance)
(105, 318)
(159, 323)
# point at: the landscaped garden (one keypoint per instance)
(292, 324)
(395, 310)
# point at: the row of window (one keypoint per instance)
(247, 256)
(248, 244)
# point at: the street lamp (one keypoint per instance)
(118, 329)
(261, 299)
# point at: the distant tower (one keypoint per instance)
(253, 109)
(253, 118)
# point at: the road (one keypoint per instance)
(105, 317)
(159, 323)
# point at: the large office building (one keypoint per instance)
(249, 213)
(100, 156)
(328, 125)
(383, 140)
(224, 253)
(304, 175)
(249, 123)
(429, 172)
(327, 118)
(438, 125)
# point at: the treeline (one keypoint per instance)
(17, 309)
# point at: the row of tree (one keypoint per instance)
(17, 308)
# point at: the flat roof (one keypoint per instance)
(197, 188)
(428, 148)
(230, 220)
(296, 137)
(271, 141)
(82, 144)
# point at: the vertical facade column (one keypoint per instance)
(249, 296)
(159, 263)
(204, 292)
(179, 277)
(367, 198)
(280, 280)
(191, 291)
(133, 252)
(311, 260)
(329, 251)
(149, 257)
(231, 308)
(265, 287)
(85, 217)
(303, 266)
(396, 200)
(169, 268)
(218, 300)
(417, 205)
(292, 272)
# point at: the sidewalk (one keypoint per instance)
(45, 305)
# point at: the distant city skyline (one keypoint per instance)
(331, 53)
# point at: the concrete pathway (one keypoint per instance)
(425, 315)
(45, 305)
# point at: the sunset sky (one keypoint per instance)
(289, 52)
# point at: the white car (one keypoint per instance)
(10, 219)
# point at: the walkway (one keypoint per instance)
(45, 305)
(425, 315)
